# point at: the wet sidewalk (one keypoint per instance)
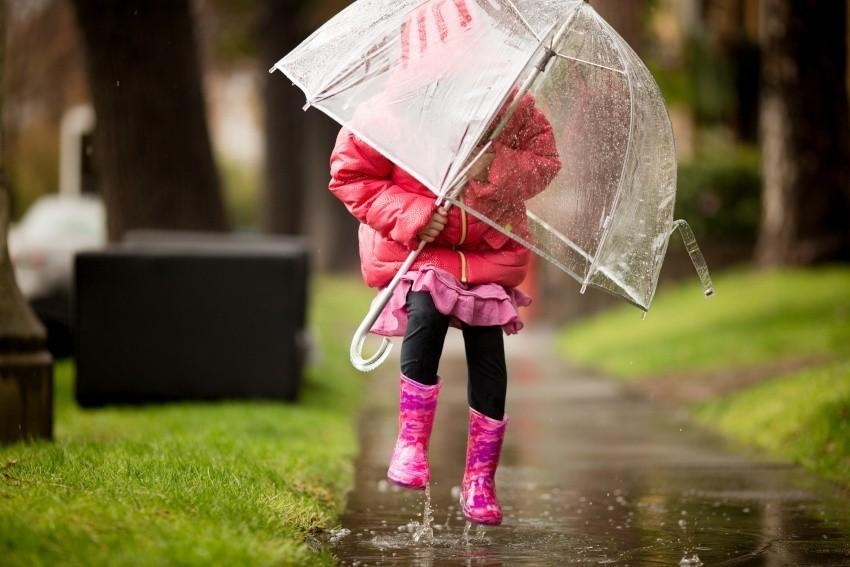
(590, 475)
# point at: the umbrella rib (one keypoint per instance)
(333, 78)
(295, 82)
(482, 130)
(591, 63)
(338, 83)
(524, 21)
(557, 263)
(520, 93)
(455, 152)
(534, 248)
(566, 240)
(552, 230)
(626, 154)
(380, 148)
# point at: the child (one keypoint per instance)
(465, 276)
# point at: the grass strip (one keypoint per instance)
(192, 483)
(804, 417)
(755, 317)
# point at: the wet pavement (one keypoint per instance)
(590, 475)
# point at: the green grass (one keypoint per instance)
(754, 318)
(203, 483)
(804, 417)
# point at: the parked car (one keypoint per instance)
(42, 248)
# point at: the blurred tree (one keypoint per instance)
(26, 369)
(45, 77)
(298, 144)
(727, 71)
(280, 31)
(155, 160)
(805, 134)
(627, 17)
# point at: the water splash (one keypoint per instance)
(464, 538)
(687, 539)
(425, 531)
(479, 536)
(335, 535)
(692, 561)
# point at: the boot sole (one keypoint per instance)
(406, 485)
(483, 522)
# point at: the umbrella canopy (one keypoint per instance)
(426, 82)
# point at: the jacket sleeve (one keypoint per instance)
(526, 157)
(361, 179)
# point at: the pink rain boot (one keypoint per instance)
(478, 491)
(417, 404)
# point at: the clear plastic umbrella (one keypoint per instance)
(431, 83)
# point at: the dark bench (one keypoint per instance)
(164, 317)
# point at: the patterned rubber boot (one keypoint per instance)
(478, 491)
(417, 404)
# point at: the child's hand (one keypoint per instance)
(435, 226)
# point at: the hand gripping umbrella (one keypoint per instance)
(453, 72)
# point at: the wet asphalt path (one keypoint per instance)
(590, 475)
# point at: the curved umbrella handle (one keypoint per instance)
(356, 350)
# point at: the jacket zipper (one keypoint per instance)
(463, 267)
(463, 231)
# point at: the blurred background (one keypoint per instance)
(162, 114)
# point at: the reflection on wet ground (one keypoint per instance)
(589, 476)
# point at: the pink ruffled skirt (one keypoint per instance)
(486, 305)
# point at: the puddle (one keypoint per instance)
(588, 476)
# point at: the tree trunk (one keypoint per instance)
(331, 228)
(284, 122)
(152, 145)
(26, 369)
(804, 133)
(627, 17)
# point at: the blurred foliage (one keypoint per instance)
(755, 318)
(711, 77)
(714, 73)
(719, 194)
(241, 184)
(802, 417)
(232, 26)
(33, 167)
(675, 84)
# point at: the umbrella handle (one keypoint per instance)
(356, 351)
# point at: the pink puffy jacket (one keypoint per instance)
(393, 207)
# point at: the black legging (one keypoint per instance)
(485, 354)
